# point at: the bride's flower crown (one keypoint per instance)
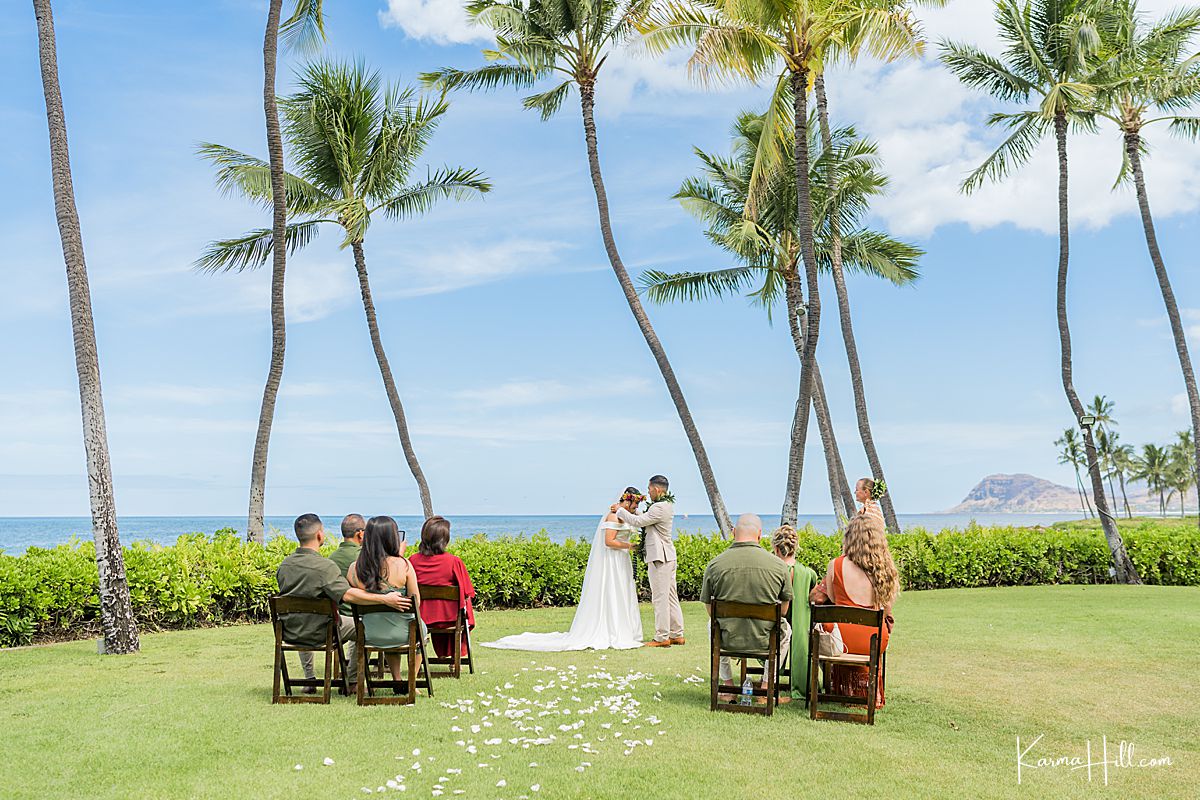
(631, 496)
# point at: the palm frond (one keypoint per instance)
(548, 103)
(246, 176)
(253, 249)
(456, 183)
(666, 287)
(304, 30)
(1028, 128)
(484, 78)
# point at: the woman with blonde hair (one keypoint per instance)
(783, 543)
(864, 576)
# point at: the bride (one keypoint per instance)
(607, 616)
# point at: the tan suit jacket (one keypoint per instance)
(658, 522)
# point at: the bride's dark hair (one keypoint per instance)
(631, 493)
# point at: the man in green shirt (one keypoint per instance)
(353, 527)
(746, 573)
(306, 573)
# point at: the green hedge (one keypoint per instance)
(49, 594)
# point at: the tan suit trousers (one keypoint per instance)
(668, 616)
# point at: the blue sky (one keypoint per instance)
(527, 384)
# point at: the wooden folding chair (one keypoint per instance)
(403, 692)
(460, 630)
(874, 661)
(335, 657)
(723, 609)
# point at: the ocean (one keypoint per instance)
(19, 533)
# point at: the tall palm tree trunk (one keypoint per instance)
(587, 91)
(839, 488)
(116, 611)
(1133, 150)
(266, 414)
(812, 315)
(843, 299)
(389, 383)
(1123, 567)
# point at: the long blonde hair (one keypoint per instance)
(865, 544)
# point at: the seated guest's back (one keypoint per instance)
(306, 573)
(864, 576)
(435, 567)
(381, 569)
(353, 526)
(746, 573)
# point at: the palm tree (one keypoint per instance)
(1122, 460)
(1150, 70)
(303, 29)
(849, 49)
(356, 143)
(1183, 457)
(571, 41)
(1051, 48)
(765, 243)
(116, 611)
(790, 40)
(1072, 454)
(1151, 468)
(1102, 409)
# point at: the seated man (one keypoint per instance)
(353, 527)
(746, 573)
(305, 573)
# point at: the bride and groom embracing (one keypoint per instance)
(607, 616)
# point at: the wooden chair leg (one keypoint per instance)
(276, 679)
(873, 680)
(364, 674)
(424, 663)
(457, 645)
(412, 672)
(714, 674)
(813, 668)
(470, 652)
(328, 673)
(287, 679)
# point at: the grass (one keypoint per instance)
(1167, 523)
(969, 671)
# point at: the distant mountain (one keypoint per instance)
(1025, 494)
(1028, 494)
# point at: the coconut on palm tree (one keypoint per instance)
(1151, 72)
(303, 29)
(1051, 49)
(787, 42)
(764, 242)
(356, 143)
(571, 42)
(116, 610)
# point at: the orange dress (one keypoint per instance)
(853, 679)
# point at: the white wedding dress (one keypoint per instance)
(607, 616)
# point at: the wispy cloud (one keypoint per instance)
(543, 392)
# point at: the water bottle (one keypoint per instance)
(747, 693)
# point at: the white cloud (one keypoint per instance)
(539, 392)
(449, 267)
(440, 21)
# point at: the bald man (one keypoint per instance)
(746, 573)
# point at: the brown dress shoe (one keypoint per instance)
(680, 640)
(657, 644)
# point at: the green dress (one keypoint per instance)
(800, 618)
(388, 630)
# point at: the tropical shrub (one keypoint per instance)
(51, 593)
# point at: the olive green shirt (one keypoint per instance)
(306, 573)
(345, 555)
(746, 573)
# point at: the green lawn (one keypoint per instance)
(969, 671)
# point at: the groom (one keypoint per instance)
(656, 523)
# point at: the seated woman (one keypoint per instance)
(435, 567)
(865, 577)
(382, 569)
(783, 543)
